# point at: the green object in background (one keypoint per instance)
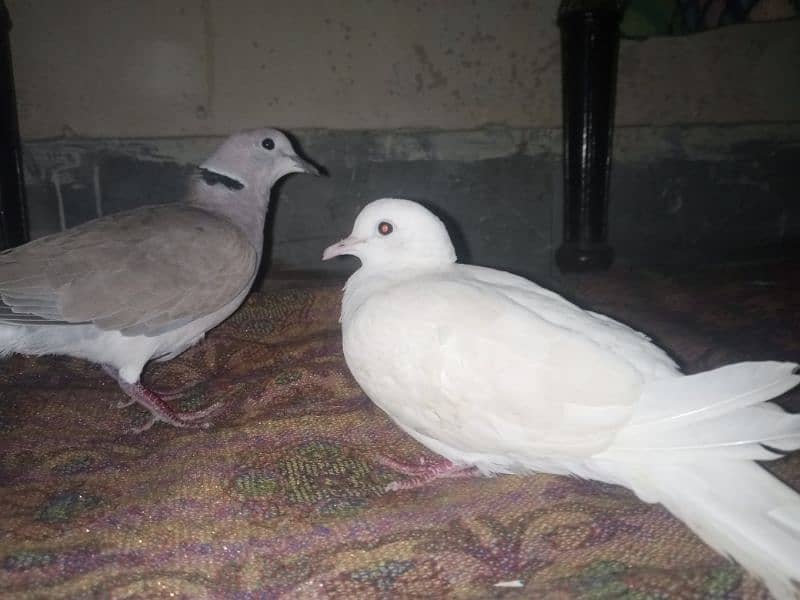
(646, 18)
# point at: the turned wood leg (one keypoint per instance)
(589, 48)
(13, 221)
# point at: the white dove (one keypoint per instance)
(499, 375)
(148, 283)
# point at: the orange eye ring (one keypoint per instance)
(385, 228)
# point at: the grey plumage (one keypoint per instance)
(148, 283)
(141, 272)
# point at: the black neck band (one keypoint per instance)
(213, 178)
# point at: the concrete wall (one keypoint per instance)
(146, 68)
(454, 102)
(680, 195)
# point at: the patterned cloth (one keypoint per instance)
(645, 18)
(284, 497)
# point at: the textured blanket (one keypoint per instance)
(283, 496)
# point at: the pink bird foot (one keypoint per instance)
(423, 473)
(159, 410)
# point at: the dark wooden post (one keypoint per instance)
(13, 218)
(589, 49)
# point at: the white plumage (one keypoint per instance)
(492, 371)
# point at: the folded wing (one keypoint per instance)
(142, 272)
(459, 361)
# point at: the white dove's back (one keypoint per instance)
(635, 347)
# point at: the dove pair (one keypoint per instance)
(147, 284)
(488, 370)
(498, 375)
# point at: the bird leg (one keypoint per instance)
(125, 403)
(160, 410)
(423, 473)
(169, 396)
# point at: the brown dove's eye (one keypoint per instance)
(385, 228)
(267, 143)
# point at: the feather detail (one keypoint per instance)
(736, 507)
(680, 400)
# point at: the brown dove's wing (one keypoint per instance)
(142, 272)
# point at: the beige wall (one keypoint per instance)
(134, 68)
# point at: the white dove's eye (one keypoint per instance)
(267, 143)
(385, 228)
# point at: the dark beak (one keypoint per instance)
(303, 166)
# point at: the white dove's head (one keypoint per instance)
(396, 233)
(254, 159)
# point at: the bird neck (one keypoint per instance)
(236, 205)
(368, 280)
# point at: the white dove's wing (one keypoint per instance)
(142, 272)
(633, 345)
(460, 362)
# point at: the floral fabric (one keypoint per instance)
(284, 496)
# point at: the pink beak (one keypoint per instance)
(341, 247)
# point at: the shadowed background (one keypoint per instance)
(458, 104)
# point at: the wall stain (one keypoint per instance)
(437, 79)
(208, 38)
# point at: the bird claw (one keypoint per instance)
(138, 430)
(169, 396)
(394, 486)
(200, 414)
(183, 422)
(159, 410)
(124, 403)
(424, 472)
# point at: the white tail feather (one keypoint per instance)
(684, 399)
(735, 507)
(10, 337)
(691, 445)
(737, 434)
(720, 412)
